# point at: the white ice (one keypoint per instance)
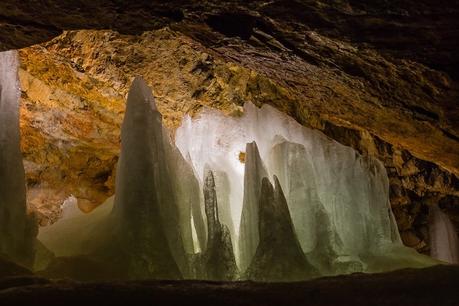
(443, 236)
(326, 185)
(16, 228)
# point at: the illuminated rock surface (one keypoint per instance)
(357, 95)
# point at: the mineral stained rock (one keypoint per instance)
(278, 256)
(17, 228)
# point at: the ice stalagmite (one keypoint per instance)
(315, 232)
(279, 256)
(148, 231)
(145, 211)
(254, 173)
(443, 237)
(17, 228)
(185, 192)
(223, 189)
(218, 260)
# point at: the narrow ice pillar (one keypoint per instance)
(219, 260)
(223, 188)
(278, 256)
(255, 171)
(186, 192)
(17, 229)
(145, 210)
(443, 237)
(315, 232)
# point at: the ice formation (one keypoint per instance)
(253, 175)
(444, 244)
(218, 259)
(338, 199)
(278, 255)
(205, 207)
(17, 228)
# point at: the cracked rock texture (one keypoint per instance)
(381, 77)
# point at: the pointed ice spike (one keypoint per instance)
(279, 256)
(219, 261)
(254, 173)
(223, 188)
(145, 209)
(17, 229)
(317, 236)
(197, 211)
(186, 190)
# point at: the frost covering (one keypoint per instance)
(17, 229)
(200, 207)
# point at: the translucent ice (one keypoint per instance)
(278, 256)
(219, 261)
(17, 229)
(337, 198)
(70, 235)
(253, 175)
(444, 240)
(148, 232)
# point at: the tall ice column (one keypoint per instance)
(17, 229)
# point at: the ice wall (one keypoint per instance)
(444, 242)
(338, 199)
(17, 228)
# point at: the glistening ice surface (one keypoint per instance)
(338, 199)
(260, 191)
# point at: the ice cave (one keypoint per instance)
(257, 197)
(232, 154)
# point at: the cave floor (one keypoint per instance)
(437, 285)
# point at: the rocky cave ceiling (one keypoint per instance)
(381, 77)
